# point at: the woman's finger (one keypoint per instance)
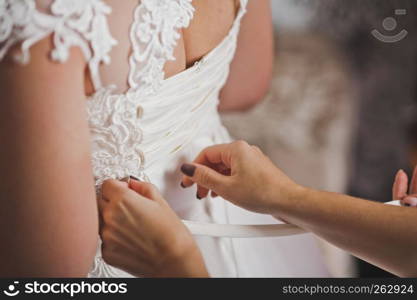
(207, 177)
(400, 187)
(127, 201)
(202, 192)
(146, 189)
(222, 169)
(186, 182)
(218, 154)
(210, 157)
(113, 189)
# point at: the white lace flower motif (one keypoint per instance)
(154, 36)
(87, 17)
(81, 23)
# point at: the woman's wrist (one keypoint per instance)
(285, 197)
(193, 266)
(189, 264)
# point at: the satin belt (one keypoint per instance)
(248, 231)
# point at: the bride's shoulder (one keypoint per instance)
(79, 23)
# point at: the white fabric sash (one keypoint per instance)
(248, 231)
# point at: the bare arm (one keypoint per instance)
(48, 220)
(380, 234)
(251, 69)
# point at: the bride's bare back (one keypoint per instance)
(211, 22)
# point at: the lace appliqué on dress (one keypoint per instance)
(81, 23)
(154, 34)
(115, 120)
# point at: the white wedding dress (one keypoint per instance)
(156, 124)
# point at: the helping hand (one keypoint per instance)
(143, 236)
(242, 174)
(401, 191)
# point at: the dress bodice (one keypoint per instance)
(132, 132)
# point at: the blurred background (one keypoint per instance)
(341, 114)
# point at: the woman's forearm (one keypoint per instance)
(381, 234)
(48, 215)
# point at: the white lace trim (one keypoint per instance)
(154, 34)
(81, 23)
(114, 120)
(116, 136)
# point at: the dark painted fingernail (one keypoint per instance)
(182, 185)
(406, 204)
(188, 169)
(134, 178)
(198, 197)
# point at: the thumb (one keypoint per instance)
(147, 190)
(206, 177)
(400, 187)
